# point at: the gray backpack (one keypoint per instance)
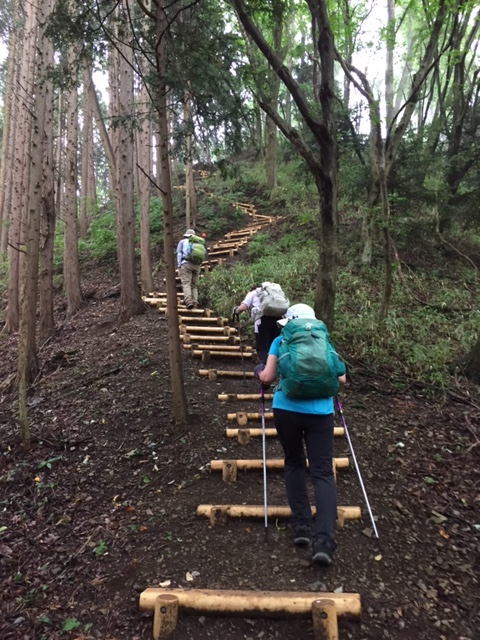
(273, 302)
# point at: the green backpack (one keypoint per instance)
(196, 250)
(307, 362)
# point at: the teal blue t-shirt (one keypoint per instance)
(315, 406)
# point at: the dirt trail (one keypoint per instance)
(104, 505)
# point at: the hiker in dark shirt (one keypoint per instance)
(309, 421)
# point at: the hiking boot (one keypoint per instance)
(322, 554)
(190, 306)
(301, 535)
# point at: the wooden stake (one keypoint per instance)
(229, 470)
(243, 436)
(242, 418)
(252, 603)
(218, 516)
(324, 616)
(165, 615)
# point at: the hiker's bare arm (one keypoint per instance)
(342, 380)
(269, 374)
(241, 307)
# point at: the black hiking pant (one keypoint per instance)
(316, 431)
(267, 332)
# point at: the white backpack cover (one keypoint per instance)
(273, 302)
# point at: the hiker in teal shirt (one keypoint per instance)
(306, 420)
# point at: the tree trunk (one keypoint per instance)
(59, 157)
(71, 265)
(22, 124)
(85, 208)
(7, 144)
(46, 324)
(327, 265)
(390, 36)
(271, 154)
(144, 172)
(27, 358)
(130, 299)
(191, 209)
(179, 400)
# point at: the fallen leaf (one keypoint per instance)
(443, 533)
(378, 557)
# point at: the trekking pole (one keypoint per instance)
(344, 424)
(264, 453)
(240, 343)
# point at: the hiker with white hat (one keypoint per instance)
(191, 252)
(309, 374)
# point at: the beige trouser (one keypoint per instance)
(189, 273)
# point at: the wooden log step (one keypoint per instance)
(257, 511)
(223, 252)
(206, 353)
(225, 244)
(220, 347)
(249, 604)
(159, 294)
(189, 338)
(209, 320)
(272, 464)
(256, 432)
(244, 396)
(213, 374)
(191, 328)
(242, 417)
(240, 234)
(191, 312)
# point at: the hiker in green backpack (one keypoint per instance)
(191, 252)
(309, 372)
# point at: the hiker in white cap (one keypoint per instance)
(191, 252)
(309, 372)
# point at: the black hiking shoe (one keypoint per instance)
(301, 535)
(322, 554)
(190, 306)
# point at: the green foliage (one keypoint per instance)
(70, 624)
(416, 340)
(48, 463)
(101, 243)
(100, 548)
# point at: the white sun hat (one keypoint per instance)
(297, 311)
(188, 233)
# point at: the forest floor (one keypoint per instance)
(104, 503)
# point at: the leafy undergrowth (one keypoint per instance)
(104, 504)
